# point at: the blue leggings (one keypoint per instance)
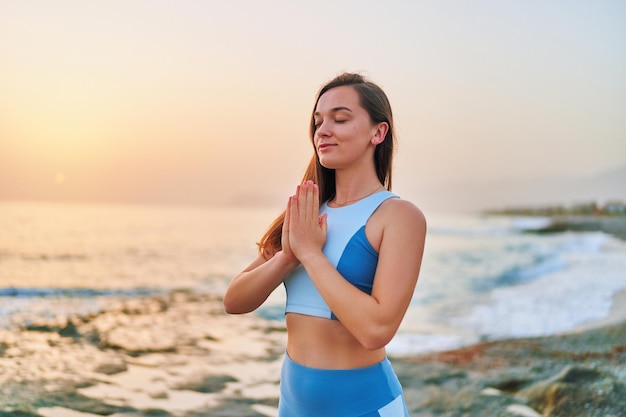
(372, 391)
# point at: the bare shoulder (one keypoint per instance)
(403, 213)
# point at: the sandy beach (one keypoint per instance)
(181, 355)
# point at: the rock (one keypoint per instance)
(577, 388)
(491, 391)
(522, 411)
(18, 413)
(572, 375)
(61, 325)
(206, 383)
(159, 347)
(159, 394)
(111, 365)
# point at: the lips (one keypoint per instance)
(324, 146)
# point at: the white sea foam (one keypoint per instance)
(409, 344)
(555, 302)
(529, 223)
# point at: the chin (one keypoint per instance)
(329, 163)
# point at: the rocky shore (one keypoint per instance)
(180, 355)
(591, 219)
(174, 355)
(574, 375)
(613, 225)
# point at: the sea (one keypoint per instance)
(483, 277)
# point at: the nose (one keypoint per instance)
(323, 129)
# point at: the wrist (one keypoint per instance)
(312, 258)
(289, 262)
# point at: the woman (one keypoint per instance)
(349, 253)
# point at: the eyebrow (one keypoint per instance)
(335, 110)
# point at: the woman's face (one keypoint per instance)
(344, 133)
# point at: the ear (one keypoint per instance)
(380, 132)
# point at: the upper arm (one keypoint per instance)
(399, 260)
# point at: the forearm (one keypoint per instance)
(248, 290)
(360, 313)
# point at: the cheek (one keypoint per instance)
(363, 134)
(354, 132)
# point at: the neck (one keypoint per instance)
(352, 189)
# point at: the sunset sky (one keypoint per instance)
(208, 102)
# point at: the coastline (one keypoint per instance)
(577, 374)
(581, 373)
(613, 225)
(181, 355)
(617, 315)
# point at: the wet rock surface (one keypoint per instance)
(581, 374)
(180, 355)
(159, 356)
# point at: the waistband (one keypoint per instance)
(309, 392)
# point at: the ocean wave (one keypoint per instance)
(542, 265)
(589, 242)
(35, 257)
(469, 231)
(544, 259)
(16, 292)
(490, 226)
(528, 224)
(63, 257)
(130, 253)
(556, 302)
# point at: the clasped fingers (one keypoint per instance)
(307, 231)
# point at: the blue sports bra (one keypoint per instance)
(347, 248)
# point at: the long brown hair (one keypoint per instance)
(374, 100)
